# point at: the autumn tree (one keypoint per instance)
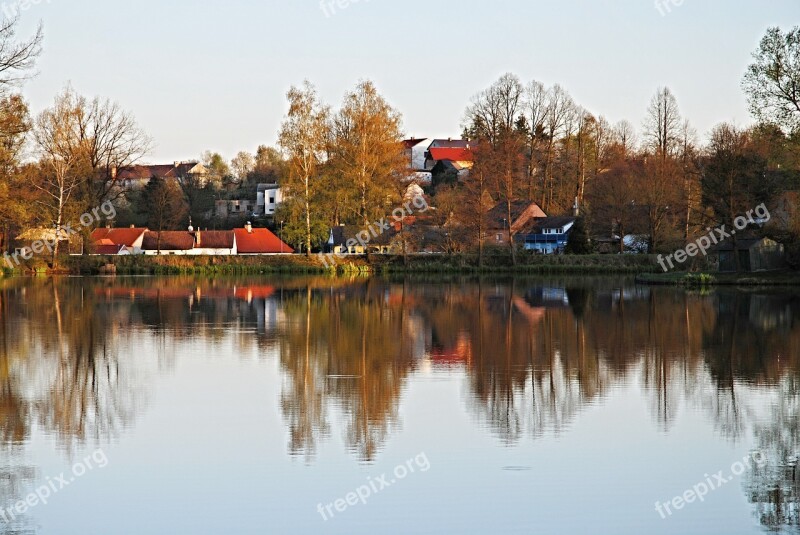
(366, 151)
(15, 200)
(303, 138)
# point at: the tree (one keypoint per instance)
(493, 119)
(58, 143)
(366, 153)
(578, 242)
(735, 178)
(14, 202)
(17, 58)
(243, 164)
(110, 139)
(772, 81)
(219, 173)
(163, 206)
(303, 138)
(662, 124)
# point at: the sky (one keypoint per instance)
(212, 75)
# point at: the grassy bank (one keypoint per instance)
(777, 278)
(457, 263)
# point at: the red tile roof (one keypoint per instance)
(146, 172)
(170, 241)
(118, 236)
(259, 241)
(454, 155)
(214, 239)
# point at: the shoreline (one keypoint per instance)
(349, 265)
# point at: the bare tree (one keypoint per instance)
(56, 135)
(662, 124)
(17, 58)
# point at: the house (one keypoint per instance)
(415, 151)
(499, 228)
(268, 198)
(755, 254)
(168, 243)
(106, 247)
(137, 176)
(129, 240)
(243, 208)
(547, 235)
(214, 242)
(259, 241)
(40, 241)
(345, 239)
(458, 160)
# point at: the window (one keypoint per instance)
(272, 200)
(499, 237)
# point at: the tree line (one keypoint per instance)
(529, 142)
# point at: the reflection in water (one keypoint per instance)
(534, 355)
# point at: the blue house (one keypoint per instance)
(546, 235)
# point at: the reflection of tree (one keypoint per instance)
(774, 486)
(303, 398)
(349, 348)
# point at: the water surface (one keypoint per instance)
(432, 405)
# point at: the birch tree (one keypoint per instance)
(303, 139)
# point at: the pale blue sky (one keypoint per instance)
(205, 74)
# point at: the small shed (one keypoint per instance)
(755, 254)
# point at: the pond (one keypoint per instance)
(420, 405)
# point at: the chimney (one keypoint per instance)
(133, 226)
(197, 239)
(249, 227)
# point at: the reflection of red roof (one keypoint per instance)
(253, 292)
(454, 155)
(118, 236)
(259, 241)
(459, 354)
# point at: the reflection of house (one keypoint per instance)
(498, 225)
(124, 240)
(259, 241)
(268, 198)
(137, 176)
(547, 235)
(755, 254)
